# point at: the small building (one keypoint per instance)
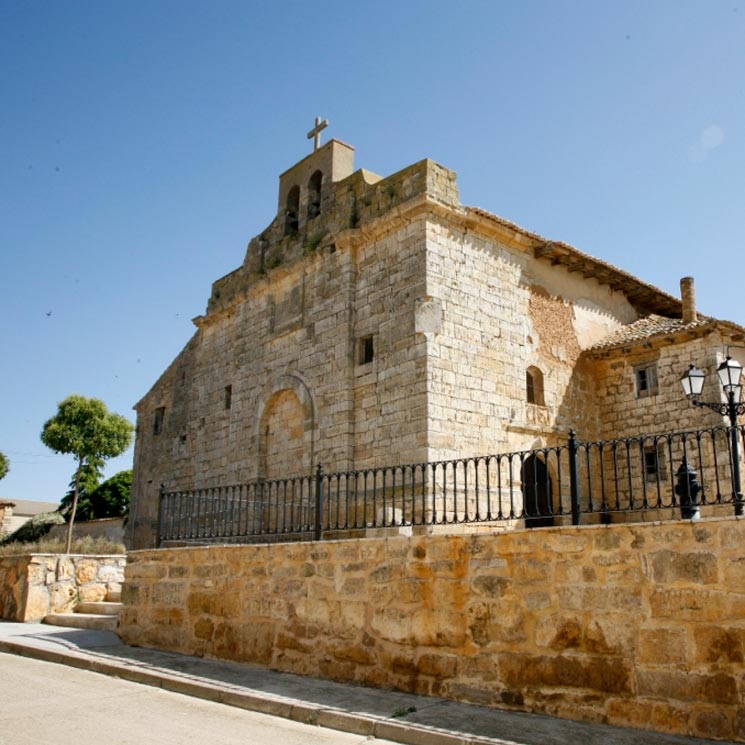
(14, 514)
(378, 321)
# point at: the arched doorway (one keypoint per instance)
(537, 491)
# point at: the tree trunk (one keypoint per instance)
(74, 507)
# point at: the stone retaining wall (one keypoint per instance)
(635, 625)
(34, 585)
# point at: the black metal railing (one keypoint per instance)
(648, 477)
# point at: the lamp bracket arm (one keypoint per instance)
(720, 408)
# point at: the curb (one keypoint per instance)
(241, 698)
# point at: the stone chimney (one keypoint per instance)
(688, 296)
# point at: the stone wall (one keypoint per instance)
(6, 517)
(34, 585)
(395, 326)
(294, 344)
(111, 528)
(288, 343)
(625, 414)
(503, 312)
(636, 625)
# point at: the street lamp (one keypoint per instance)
(729, 373)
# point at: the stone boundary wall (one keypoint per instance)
(111, 528)
(34, 585)
(634, 625)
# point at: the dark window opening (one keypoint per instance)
(366, 350)
(534, 386)
(537, 490)
(158, 417)
(646, 380)
(314, 195)
(292, 209)
(654, 464)
(228, 396)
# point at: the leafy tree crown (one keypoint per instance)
(84, 427)
(109, 499)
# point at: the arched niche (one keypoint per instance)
(534, 386)
(285, 421)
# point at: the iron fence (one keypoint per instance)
(659, 476)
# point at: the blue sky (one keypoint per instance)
(141, 144)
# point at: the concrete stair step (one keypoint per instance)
(101, 607)
(83, 621)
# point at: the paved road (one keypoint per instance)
(389, 715)
(42, 703)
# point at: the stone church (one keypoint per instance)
(378, 321)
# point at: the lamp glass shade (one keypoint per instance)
(729, 373)
(693, 381)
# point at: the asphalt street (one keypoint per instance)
(43, 703)
(111, 703)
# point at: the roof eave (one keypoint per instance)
(645, 298)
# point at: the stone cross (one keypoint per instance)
(315, 133)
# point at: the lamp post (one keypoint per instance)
(729, 373)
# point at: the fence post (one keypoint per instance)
(161, 508)
(319, 503)
(574, 477)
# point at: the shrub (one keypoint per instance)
(37, 527)
(84, 545)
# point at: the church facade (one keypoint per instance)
(378, 321)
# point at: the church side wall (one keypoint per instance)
(635, 625)
(276, 384)
(503, 312)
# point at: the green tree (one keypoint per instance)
(85, 428)
(111, 499)
(4, 465)
(90, 478)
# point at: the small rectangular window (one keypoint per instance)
(158, 417)
(366, 351)
(646, 380)
(654, 463)
(228, 396)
